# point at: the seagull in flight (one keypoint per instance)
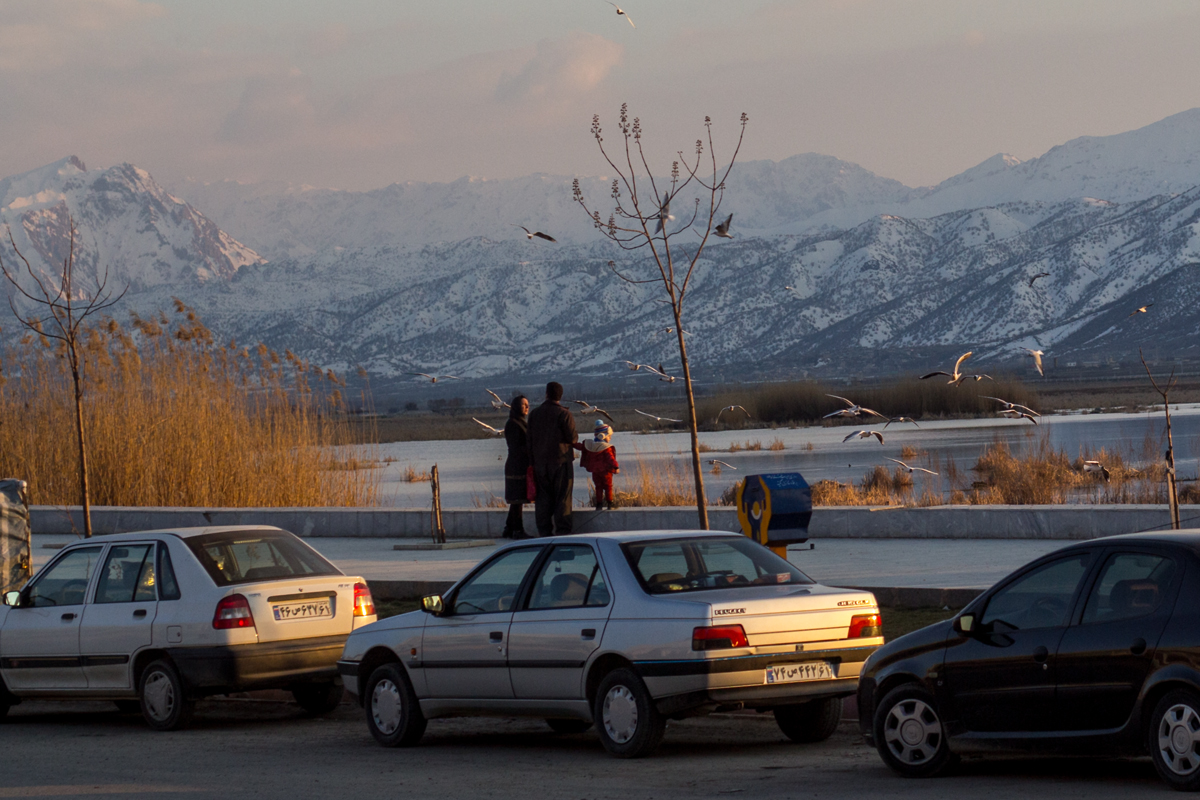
(957, 377)
(1141, 309)
(497, 403)
(495, 431)
(621, 13)
(731, 408)
(436, 378)
(864, 435)
(657, 419)
(716, 462)
(1035, 277)
(722, 230)
(1014, 414)
(664, 212)
(1011, 408)
(900, 419)
(1096, 467)
(851, 410)
(588, 408)
(662, 374)
(909, 469)
(1036, 355)
(530, 234)
(635, 367)
(672, 330)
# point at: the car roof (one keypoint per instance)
(1188, 537)
(635, 536)
(182, 533)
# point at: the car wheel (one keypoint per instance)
(909, 733)
(629, 723)
(393, 713)
(128, 706)
(814, 721)
(164, 701)
(566, 726)
(1174, 740)
(319, 698)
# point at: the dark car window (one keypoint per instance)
(127, 575)
(1131, 585)
(246, 556)
(493, 588)
(65, 582)
(570, 578)
(1038, 599)
(689, 565)
(168, 587)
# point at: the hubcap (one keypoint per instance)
(159, 696)
(620, 714)
(386, 709)
(912, 731)
(1179, 739)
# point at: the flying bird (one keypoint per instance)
(662, 374)
(672, 330)
(1035, 277)
(635, 367)
(588, 408)
(731, 408)
(1036, 355)
(496, 431)
(436, 378)
(664, 212)
(1096, 467)
(1010, 408)
(909, 469)
(1014, 414)
(864, 435)
(530, 234)
(1141, 309)
(621, 13)
(716, 462)
(497, 403)
(900, 419)
(657, 419)
(722, 230)
(851, 410)
(957, 377)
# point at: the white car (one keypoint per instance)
(162, 618)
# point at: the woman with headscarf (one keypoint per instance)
(516, 467)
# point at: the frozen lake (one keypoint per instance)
(472, 471)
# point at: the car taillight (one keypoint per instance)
(364, 604)
(718, 637)
(865, 625)
(233, 612)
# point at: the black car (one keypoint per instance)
(1093, 649)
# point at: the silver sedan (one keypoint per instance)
(624, 630)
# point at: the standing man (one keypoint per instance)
(551, 436)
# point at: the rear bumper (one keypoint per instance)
(263, 665)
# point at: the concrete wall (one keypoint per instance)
(942, 522)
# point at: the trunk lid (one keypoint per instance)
(302, 607)
(790, 615)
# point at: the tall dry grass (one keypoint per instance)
(175, 419)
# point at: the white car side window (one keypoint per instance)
(66, 582)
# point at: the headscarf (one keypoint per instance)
(513, 413)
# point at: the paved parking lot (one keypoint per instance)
(265, 748)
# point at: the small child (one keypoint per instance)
(599, 457)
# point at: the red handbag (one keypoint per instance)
(530, 486)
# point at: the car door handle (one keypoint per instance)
(1040, 654)
(588, 633)
(68, 617)
(141, 612)
(1138, 647)
(496, 636)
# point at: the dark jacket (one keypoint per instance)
(551, 434)
(517, 464)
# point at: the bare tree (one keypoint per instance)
(644, 225)
(1172, 491)
(63, 310)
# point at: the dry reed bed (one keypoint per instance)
(174, 419)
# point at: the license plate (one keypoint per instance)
(313, 609)
(794, 673)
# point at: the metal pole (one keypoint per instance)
(439, 534)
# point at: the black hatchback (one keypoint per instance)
(1093, 649)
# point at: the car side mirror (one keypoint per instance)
(433, 604)
(965, 624)
(12, 599)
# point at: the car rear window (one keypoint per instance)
(233, 557)
(690, 565)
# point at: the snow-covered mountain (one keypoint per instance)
(125, 222)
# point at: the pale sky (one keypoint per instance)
(358, 94)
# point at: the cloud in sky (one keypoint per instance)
(368, 92)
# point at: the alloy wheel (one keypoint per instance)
(386, 707)
(1179, 739)
(912, 731)
(620, 715)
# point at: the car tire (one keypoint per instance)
(128, 706)
(393, 713)
(628, 721)
(814, 721)
(1173, 738)
(319, 698)
(909, 734)
(568, 726)
(164, 701)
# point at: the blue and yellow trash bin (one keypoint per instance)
(775, 509)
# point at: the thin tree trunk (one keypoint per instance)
(83, 466)
(701, 505)
(1172, 492)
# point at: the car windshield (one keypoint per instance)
(690, 565)
(246, 556)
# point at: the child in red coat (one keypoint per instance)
(599, 457)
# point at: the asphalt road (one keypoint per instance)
(267, 748)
